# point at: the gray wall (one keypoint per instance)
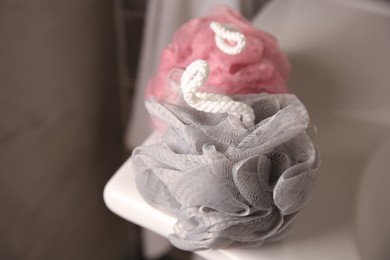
(60, 137)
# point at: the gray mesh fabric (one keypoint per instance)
(228, 185)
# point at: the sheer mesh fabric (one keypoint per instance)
(228, 185)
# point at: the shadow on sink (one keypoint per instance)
(373, 211)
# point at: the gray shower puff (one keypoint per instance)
(226, 184)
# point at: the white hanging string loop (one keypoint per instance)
(225, 35)
(195, 77)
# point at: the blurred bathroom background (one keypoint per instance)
(67, 76)
(72, 77)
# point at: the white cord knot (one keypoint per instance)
(225, 35)
(195, 77)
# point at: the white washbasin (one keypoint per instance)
(340, 54)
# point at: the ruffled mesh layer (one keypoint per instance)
(229, 185)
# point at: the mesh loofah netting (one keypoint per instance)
(228, 185)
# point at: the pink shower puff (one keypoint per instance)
(260, 67)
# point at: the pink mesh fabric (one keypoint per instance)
(260, 67)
